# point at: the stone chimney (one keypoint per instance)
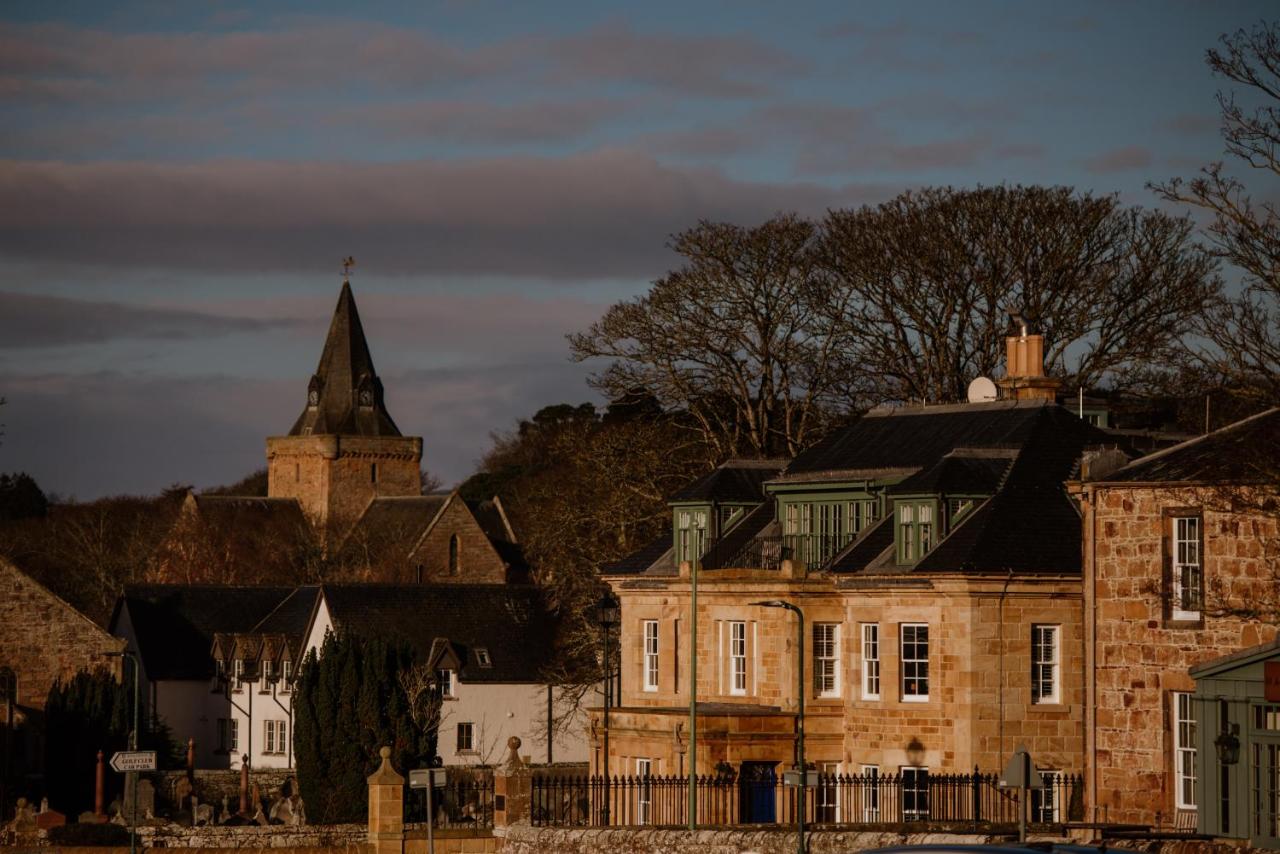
(1024, 377)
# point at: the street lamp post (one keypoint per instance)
(132, 776)
(804, 779)
(607, 613)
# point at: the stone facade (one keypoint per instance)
(1137, 655)
(522, 839)
(456, 548)
(334, 477)
(979, 705)
(43, 639)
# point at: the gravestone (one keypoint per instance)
(146, 800)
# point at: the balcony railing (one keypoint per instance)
(838, 799)
(465, 801)
(815, 550)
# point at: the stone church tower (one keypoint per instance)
(344, 450)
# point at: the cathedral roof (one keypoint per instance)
(345, 394)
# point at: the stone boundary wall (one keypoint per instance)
(212, 784)
(329, 838)
(524, 839)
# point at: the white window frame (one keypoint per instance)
(911, 667)
(237, 672)
(644, 794)
(915, 771)
(1046, 664)
(737, 657)
(447, 680)
(826, 662)
(1184, 750)
(468, 744)
(650, 637)
(1046, 803)
(870, 792)
(1187, 533)
(282, 731)
(233, 735)
(286, 676)
(827, 794)
(268, 736)
(871, 664)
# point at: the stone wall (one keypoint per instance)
(1142, 656)
(43, 639)
(478, 563)
(212, 785)
(330, 838)
(523, 839)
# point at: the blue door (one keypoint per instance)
(757, 791)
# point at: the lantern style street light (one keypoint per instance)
(1228, 744)
(804, 779)
(607, 616)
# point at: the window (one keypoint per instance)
(466, 737)
(1187, 570)
(418, 573)
(1044, 664)
(8, 685)
(915, 792)
(651, 655)
(238, 672)
(827, 806)
(826, 659)
(273, 737)
(816, 531)
(737, 658)
(870, 662)
(228, 735)
(644, 794)
(297, 472)
(286, 676)
(1046, 806)
(454, 548)
(869, 788)
(691, 535)
(482, 657)
(915, 662)
(264, 685)
(1184, 751)
(915, 530)
(444, 679)
(373, 472)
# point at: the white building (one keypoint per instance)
(488, 645)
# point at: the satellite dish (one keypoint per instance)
(982, 390)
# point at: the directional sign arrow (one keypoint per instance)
(134, 760)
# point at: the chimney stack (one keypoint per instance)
(1024, 377)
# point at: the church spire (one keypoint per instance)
(345, 394)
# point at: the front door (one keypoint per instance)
(757, 790)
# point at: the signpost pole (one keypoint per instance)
(431, 819)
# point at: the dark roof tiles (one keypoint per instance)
(736, 481)
(1246, 452)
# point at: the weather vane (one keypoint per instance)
(347, 264)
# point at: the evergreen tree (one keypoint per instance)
(349, 704)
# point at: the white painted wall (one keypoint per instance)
(252, 705)
(499, 711)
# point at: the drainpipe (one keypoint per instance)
(1000, 628)
(1090, 675)
(288, 757)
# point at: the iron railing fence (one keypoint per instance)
(756, 553)
(840, 799)
(466, 800)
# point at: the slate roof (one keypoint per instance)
(404, 519)
(292, 616)
(736, 481)
(175, 623)
(344, 373)
(511, 621)
(962, 472)
(489, 516)
(1246, 452)
(641, 559)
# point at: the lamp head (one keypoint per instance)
(607, 611)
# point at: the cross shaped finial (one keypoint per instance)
(347, 264)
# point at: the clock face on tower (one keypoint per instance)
(313, 397)
(366, 397)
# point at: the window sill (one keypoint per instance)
(871, 698)
(1055, 706)
(917, 698)
(651, 689)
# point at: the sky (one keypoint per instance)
(180, 182)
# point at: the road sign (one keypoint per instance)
(134, 760)
(421, 778)
(792, 778)
(1021, 771)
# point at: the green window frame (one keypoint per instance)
(917, 528)
(690, 533)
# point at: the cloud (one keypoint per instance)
(1122, 159)
(476, 122)
(606, 213)
(1190, 124)
(28, 321)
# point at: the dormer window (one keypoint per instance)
(238, 672)
(286, 676)
(691, 534)
(916, 531)
(445, 682)
(482, 656)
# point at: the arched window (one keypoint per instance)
(453, 555)
(373, 472)
(419, 573)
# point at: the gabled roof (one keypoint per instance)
(1243, 453)
(348, 394)
(1239, 658)
(647, 556)
(965, 471)
(735, 481)
(510, 621)
(175, 624)
(403, 520)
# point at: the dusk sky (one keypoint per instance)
(181, 181)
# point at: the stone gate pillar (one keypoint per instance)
(512, 789)
(386, 808)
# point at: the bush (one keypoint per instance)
(108, 834)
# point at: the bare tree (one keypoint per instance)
(926, 281)
(1243, 332)
(733, 337)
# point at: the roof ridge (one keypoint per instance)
(1163, 452)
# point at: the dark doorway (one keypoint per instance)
(757, 793)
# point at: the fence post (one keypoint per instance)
(975, 782)
(386, 808)
(512, 789)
